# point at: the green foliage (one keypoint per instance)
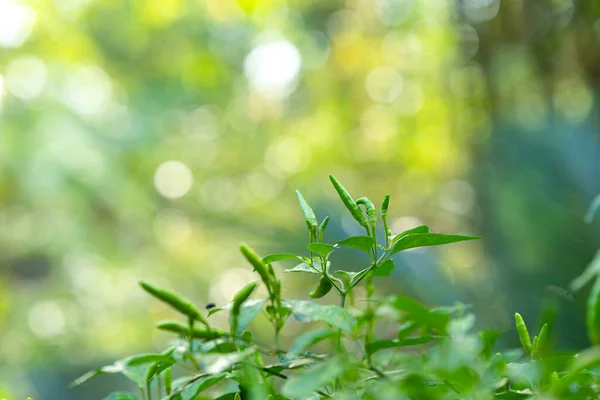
(386, 348)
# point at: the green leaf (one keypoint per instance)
(304, 267)
(304, 384)
(427, 239)
(350, 275)
(322, 249)
(364, 243)
(418, 229)
(385, 268)
(126, 367)
(121, 396)
(248, 311)
(196, 385)
(586, 359)
(271, 258)
(308, 311)
(309, 339)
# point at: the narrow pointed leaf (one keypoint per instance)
(280, 256)
(418, 229)
(427, 239)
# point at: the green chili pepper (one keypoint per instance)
(309, 214)
(237, 397)
(534, 348)
(348, 201)
(151, 372)
(184, 330)
(554, 379)
(258, 264)
(168, 378)
(323, 225)
(242, 296)
(384, 205)
(177, 302)
(323, 287)
(593, 313)
(542, 341)
(371, 210)
(523, 333)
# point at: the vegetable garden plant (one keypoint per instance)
(433, 353)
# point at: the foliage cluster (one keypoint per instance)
(376, 348)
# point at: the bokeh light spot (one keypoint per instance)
(173, 179)
(46, 319)
(272, 68)
(384, 84)
(25, 77)
(89, 91)
(16, 22)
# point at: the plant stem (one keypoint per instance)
(339, 340)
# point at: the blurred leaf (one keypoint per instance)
(308, 311)
(248, 311)
(391, 343)
(309, 339)
(427, 239)
(190, 389)
(488, 340)
(121, 396)
(307, 382)
(593, 210)
(364, 243)
(590, 272)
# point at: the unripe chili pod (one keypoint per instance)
(348, 201)
(323, 287)
(523, 333)
(237, 397)
(184, 330)
(242, 296)
(371, 210)
(384, 205)
(177, 302)
(259, 266)
(593, 313)
(168, 378)
(309, 214)
(542, 341)
(323, 225)
(534, 348)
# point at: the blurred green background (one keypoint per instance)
(144, 139)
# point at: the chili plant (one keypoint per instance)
(431, 352)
